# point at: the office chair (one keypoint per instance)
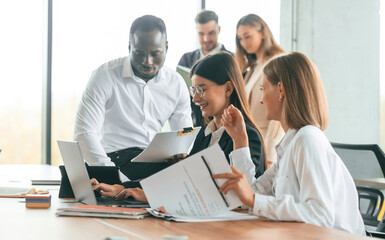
(366, 161)
(362, 160)
(370, 201)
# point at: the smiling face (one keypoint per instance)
(147, 53)
(215, 98)
(208, 35)
(249, 38)
(272, 97)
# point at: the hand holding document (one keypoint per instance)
(167, 144)
(188, 189)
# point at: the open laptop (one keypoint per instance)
(80, 181)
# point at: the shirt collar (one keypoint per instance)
(128, 72)
(211, 126)
(284, 143)
(215, 50)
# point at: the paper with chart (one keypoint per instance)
(167, 144)
(187, 187)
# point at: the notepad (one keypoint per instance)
(103, 212)
(15, 192)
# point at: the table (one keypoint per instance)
(378, 183)
(18, 222)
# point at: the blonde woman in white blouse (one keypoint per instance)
(256, 46)
(309, 182)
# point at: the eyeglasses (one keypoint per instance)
(198, 89)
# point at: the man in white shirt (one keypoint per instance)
(128, 100)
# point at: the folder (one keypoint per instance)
(167, 144)
(185, 73)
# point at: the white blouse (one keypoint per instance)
(308, 183)
(215, 134)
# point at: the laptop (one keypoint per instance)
(80, 181)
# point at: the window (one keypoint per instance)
(89, 33)
(21, 58)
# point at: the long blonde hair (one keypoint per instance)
(305, 101)
(268, 46)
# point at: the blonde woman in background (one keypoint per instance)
(255, 46)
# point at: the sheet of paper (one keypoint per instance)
(187, 187)
(226, 216)
(167, 144)
(15, 192)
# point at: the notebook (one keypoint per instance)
(103, 211)
(80, 181)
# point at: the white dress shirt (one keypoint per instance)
(119, 110)
(215, 50)
(215, 134)
(308, 183)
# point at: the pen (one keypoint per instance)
(216, 185)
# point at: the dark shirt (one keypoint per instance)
(226, 144)
(189, 59)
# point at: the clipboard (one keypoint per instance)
(185, 73)
(167, 144)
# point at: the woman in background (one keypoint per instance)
(309, 182)
(256, 46)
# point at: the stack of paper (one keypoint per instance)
(103, 212)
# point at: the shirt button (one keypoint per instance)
(117, 157)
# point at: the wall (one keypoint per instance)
(343, 39)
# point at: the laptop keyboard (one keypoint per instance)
(130, 202)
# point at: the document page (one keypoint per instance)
(226, 216)
(167, 144)
(187, 187)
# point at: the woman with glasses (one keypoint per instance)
(255, 46)
(217, 83)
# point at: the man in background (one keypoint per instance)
(124, 104)
(208, 30)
